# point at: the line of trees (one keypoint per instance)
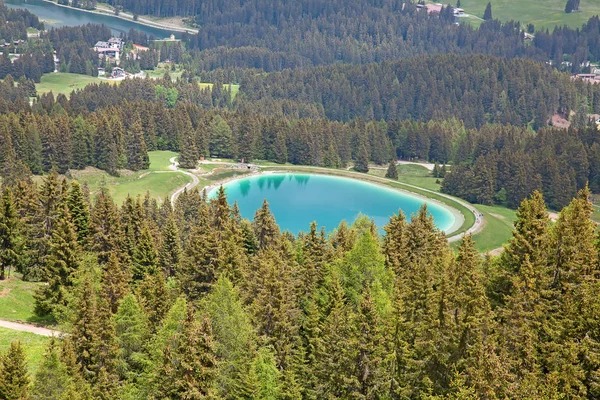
(194, 301)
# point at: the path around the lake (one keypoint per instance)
(38, 330)
(129, 17)
(189, 186)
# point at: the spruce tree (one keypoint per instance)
(52, 380)
(189, 154)
(14, 381)
(392, 171)
(487, 15)
(137, 151)
(80, 212)
(189, 369)
(115, 280)
(361, 164)
(235, 338)
(220, 138)
(265, 227)
(170, 253)
(62, 263)
(335, 361)
(145, 256)
(370, 343)
(10, 249)
(131, 335)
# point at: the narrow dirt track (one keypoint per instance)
(18, 326)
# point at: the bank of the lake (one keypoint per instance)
(298, 198)
(55, 15)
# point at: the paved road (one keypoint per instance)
(195, 181)
(17, 326)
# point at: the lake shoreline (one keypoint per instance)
(143, 22)
(459, 218)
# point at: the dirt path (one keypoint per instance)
(17, 326)
(429, 166)
(195, 180)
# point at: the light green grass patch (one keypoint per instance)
(497, 229)
(16, 300)
(33, 345)
(160, 160)
(543, 14)
(159, 184)
(411, 174)
(65, 83)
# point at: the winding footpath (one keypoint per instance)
(189, 186)
(38, 330)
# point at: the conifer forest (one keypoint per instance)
(181, 297)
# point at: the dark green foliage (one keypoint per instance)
(13, 373)
(10, 249)
(392, 171)
(487, 14)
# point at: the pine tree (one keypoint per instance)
(52, 380)
(487, 15)
(370, 345)
(83, 334)
(145, 256)
(131, 335)
(154, 298)
(189, 369)
(14, 381)
(220, 139)
(265, 227)
(362, 160)
(235, 338)
(392, 171)
(137, 151)
(80, 212)
(61, 265)
(115, 279)
(170, 254)
(335, 367)
(10, 249)
(189, 154)
(105, 227)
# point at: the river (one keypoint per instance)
(54, 16)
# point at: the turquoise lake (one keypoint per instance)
(298, 199)
(56, 16)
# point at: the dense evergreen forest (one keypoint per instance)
(114, 127)
(195, 302)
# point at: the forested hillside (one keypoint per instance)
(476, 89)
(196, 302)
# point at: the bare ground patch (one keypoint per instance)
(4, 292)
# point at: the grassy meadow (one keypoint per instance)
(543, 14)
(498, 220)
(158, 180)
(33, 345)
(16, 300)
(65, 83)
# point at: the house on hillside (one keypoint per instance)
(136, 52)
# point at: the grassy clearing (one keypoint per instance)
(65, 83)
(226, 173)
(33, 345)
(497, 229)
(16, 301)
(412, 175)
(158, 180)
(543, 14)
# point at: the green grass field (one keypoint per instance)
(159, 72)
(65, 83)
(33, 345)
(543, 14)
(16, 300)
(158, 180)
